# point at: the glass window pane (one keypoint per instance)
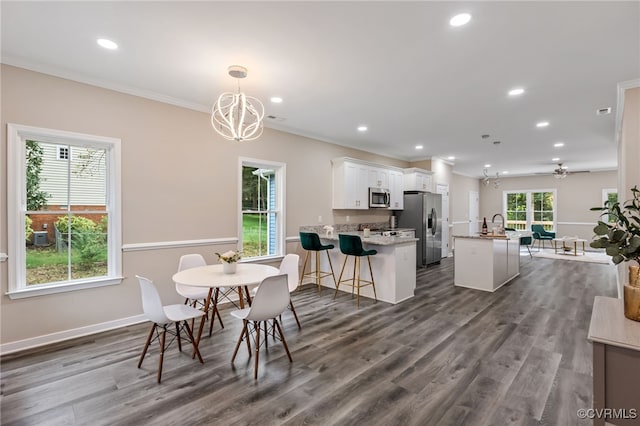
(259, 211)
(254, 234)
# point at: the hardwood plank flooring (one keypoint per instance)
(448, 356)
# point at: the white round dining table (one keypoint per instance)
(212, 276)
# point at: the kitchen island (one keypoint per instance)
(486, 262)
(394, 269)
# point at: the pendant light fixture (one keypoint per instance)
(236, 116)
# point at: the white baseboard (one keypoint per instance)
(60, 336)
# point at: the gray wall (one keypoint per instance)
(179, 182)
(576, 194)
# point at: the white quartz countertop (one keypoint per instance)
(375, 238)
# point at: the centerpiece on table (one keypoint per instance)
(620, 237)
(229, 260)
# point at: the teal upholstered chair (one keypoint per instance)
(310, 241)
(540, 235)
(351, 245)
(524, 241)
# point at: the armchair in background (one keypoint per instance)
(541, 235)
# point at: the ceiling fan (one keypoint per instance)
(562, 172)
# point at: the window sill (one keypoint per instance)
(63, 287)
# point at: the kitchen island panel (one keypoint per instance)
(485, 263)
(394, 270)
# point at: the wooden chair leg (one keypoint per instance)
(356, 269)
(284, 342)
(162, 342)
(304, 267)
(256, 326)
(340, 277)
(331, 266)
(217, 296)
(214, 312)
(146, 344)
(244, 331)
(373, 284)
(355, 264)
(193, 342)
(178, 337)
(294, 314)
(318, 278)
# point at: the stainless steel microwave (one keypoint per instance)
(379, 197)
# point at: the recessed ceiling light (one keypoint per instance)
(558, 144)
(460, 19)
(419, 146)
(555, 159)
(276, 99)
(516, 92)
(506, 172)
(107, 44)
(362, 128)
(542, 124)
(451, 157)
(487, 166)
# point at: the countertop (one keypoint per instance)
(609, 325)
(508, 235)
(374, 239)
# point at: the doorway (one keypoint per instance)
(474, 212)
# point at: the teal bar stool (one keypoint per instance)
(351, 245)
(310, 241)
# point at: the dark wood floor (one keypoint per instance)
(519, 356)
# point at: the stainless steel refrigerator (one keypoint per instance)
(423, 212)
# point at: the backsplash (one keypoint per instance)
(346, 227)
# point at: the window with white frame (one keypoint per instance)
(64, 216)
(262, 208)
(63, 152)
(525, 208)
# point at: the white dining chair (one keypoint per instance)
(197, 296)
(289, 266)
(162, 317)
(270, 301)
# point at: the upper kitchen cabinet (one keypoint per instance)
(350, 184)
(418, 180)
(352, 179)
(396, 188)
(378, 178)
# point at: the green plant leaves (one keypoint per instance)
(620, 238)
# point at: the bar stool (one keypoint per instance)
(310, 241)
(351, 245)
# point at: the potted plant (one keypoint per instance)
(229, 260)
(620, 237)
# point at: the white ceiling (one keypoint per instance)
(397, 67)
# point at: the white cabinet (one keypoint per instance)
(396, 188)
(350, 185)
(378, 178)
(418, 180)
(352, 179)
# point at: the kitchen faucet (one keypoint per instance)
(501, 217)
